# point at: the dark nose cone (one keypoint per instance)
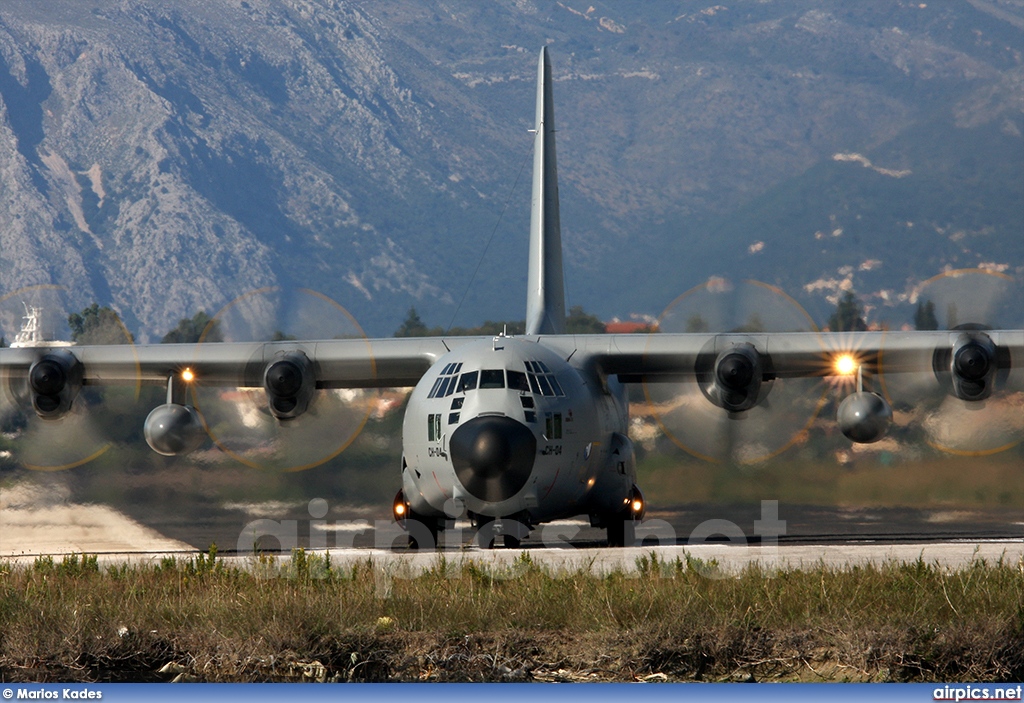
(493, 456)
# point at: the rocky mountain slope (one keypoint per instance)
(164, 157)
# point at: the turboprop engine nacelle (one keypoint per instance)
(289, 382)
(736, 378)
(864, 417)
(54, 382)
(972, 365)
(173, 429)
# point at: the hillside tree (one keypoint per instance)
(190, 330)
(924, 316)
(98, 325)
(848, 316)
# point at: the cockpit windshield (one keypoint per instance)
(492, 378)
(538, 380)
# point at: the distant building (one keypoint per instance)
(620, 327)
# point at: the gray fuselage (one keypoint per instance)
(507, 428)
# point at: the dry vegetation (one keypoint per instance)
(198, 619)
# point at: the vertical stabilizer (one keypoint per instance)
(545, 295)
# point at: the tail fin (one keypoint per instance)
(545, 296)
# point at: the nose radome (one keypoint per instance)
(493, 456)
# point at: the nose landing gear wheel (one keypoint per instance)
(510, 532)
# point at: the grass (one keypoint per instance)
(938, 481)
(199, 619)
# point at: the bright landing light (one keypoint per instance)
(187, 376)
(845, 365)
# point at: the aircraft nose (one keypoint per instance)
(493, 456)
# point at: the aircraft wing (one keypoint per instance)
(340, 363)
(732, 371)
(747, 397)
(786, 355)
(46, 380)
(398, 362)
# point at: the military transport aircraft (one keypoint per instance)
(515, 431)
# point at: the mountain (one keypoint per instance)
(166, 157)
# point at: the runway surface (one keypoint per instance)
(36, 521)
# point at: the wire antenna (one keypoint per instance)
(489, 240)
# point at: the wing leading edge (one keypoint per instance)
(400, 362)
(792, 355)
(343, 363)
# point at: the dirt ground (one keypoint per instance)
(37, 518)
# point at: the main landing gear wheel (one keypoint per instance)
(424, 532)
(621, 526)
(621, 529)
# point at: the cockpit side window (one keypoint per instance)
(492, 378)
(554, 385)
(517, 381)
(553, 425)
(445, 384)
(443, 388)
(545, 387)
(437, 385)
(542, 381)
(468, 381)
(533, 384)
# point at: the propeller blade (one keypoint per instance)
(79, 425)
(691, 413)
(239, 420)
(970, 301)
